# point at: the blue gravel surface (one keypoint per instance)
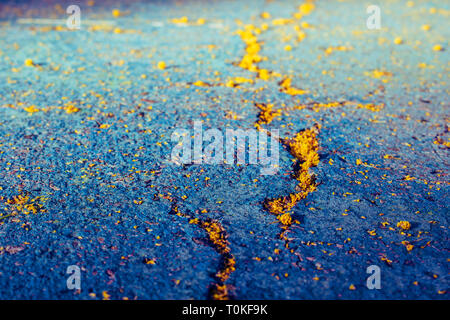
(86, 119)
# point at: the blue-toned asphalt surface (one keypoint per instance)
(107, 179)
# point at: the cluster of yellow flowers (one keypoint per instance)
(185, 20)
(379, 74)
(267, 114)
(303, 10)
(285, 86)
(440, 139)
(31, 109)
(371, 106)
(442, 142)
(218, 238)
(23, 203)
(330, 50)
(236, 81)
(71, 108)
(304, 147)
(252, 57)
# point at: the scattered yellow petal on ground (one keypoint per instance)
(116, 13)
(405, 225)
(398, 40)
(161, 65)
